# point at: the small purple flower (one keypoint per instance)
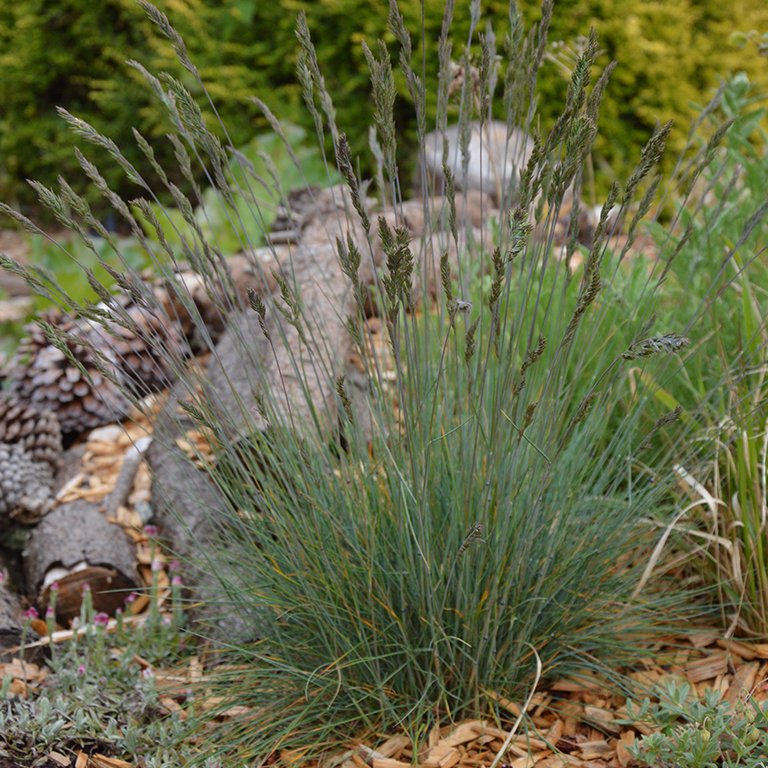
(150, 530)
(148, 673)
(118, 612)
(2, 577)
(55, 586)
(177, 582)
(81, 669)
(86, 587)
(31, 613)
(101, 619)
(131, 598)
(174, 566)
(157, 565)
(167, 621)
(49, 612)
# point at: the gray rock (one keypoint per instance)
(495, 159)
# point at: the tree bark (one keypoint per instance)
(74, 545)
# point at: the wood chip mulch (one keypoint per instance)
(571, 722)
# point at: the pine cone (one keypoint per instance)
(30, 451)
(42, 376)
(135, 359)
(38, 433)
(142, 353)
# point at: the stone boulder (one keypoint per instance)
(496, 157)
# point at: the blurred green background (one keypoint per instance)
(72, 53)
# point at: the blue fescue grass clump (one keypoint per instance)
(409, 556)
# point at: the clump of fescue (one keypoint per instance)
(497, 509)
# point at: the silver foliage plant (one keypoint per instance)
(403, 543)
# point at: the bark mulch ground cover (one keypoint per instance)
(575, 722)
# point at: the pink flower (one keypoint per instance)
(55, 586)
(101, 619)
(131, 598)
(81, 669)
(148, 673)
(150, 530)
(177, 582)
(157, 565)
(49, 612)
(167, 621)
(118, 612)
(2, 577)
(86, 587)
(31, 613)
(174, 566)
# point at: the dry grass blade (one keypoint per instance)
(500, 754)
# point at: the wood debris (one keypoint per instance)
(106, 450)
(100, 761)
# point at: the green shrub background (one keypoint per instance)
(72, 54)
(671, 55)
